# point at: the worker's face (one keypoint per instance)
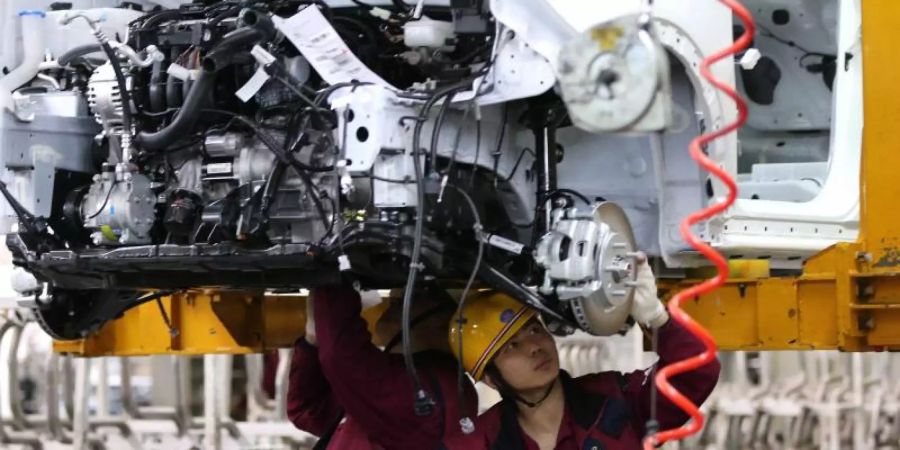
(529, 360)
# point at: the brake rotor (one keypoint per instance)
(587, 259)
(606, 311)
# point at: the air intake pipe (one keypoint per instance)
(33, 48)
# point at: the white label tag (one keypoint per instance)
(323, 47)
(180, 72)
(218, 168)
(506, 244)
(253, 85)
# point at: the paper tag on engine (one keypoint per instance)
(323, 47)
(253, 85)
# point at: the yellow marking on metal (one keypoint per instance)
(607, 37)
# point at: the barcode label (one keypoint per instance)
(218, 168)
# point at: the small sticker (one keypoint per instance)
(506, 244)
(181, 73)
(507, 315)
(218, 168)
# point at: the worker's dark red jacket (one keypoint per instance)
(604, 411)
(347, 376)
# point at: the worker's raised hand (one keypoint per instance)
(647, 309)
(310, 321)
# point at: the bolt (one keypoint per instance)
(863, 257)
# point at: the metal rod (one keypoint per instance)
(211, 425)
(82, 391)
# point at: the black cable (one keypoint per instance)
(514, 169)
(424, 405)
(477, 151)
(457, 140)
(123, 87)
(460, 320)
(26, 218)
(498, 151)
(363, 5)
(164, 113)
(325, 93)
(471, 55)
(439, 126)
(555, 192)
(105, 201)
(299, 167)
(269, 142)
(388, 180)
(342, 151)
(769, 34)
(290, 85)
(765, 32)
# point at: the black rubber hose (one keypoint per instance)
(161, 17)
(260, 21)
(156, 92)
(186, 118)
(66, 58)
(220, 57)
(439, 126)
(259, 28)
(123, 87)
(173, 95)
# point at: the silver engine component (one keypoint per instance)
(119, 209)
(104, 96)
(234, 159)
(587, 257)
(105, 101)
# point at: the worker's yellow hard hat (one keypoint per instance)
(490, 319)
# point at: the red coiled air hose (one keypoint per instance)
(696, 149)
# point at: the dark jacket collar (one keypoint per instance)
(584, 406)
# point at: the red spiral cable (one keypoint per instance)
(696, 150)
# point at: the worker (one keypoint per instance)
(354, 396)
(543, 407)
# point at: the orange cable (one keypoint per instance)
(697, 153)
